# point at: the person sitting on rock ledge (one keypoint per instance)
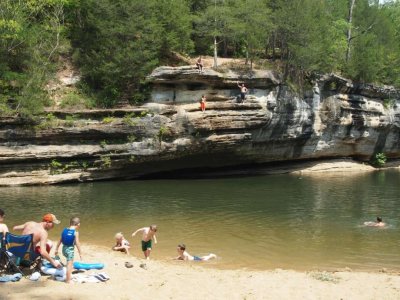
(199, 64)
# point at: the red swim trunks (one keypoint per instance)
(48, 248)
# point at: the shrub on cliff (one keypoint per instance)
(379, 160)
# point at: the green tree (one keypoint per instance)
(390, 71)
(31, 36)
(375, 43)
(117, 43)
(211, 26)
(251, 25)
(176, 21)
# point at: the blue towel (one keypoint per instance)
(8, 278)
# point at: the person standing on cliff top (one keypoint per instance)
(243, 91)
(199, 64)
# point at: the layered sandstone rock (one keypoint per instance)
(334, 119)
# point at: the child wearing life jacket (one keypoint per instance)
(70, 239)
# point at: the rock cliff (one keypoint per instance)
(333, 119)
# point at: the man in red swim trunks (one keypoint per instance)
(40, 234)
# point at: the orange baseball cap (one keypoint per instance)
(50, 218)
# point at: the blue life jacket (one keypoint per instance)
(68, 237)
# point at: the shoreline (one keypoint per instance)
(331, 167)
(214, 264)
(190, 280)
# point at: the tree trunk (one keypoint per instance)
(215, 37)
(215, 52)
(349, 37)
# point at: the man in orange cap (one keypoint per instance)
(39, 231)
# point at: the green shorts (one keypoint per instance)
(68, 252)
(146, 245)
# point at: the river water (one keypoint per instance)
(262, 222)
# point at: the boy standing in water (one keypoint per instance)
(148, 234)
(70, 239)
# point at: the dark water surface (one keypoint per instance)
(260, 222)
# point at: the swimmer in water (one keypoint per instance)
(379, 223)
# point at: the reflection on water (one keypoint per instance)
(256, 222)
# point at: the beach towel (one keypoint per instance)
(91, 278)
(13, 277)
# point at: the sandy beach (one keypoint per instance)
(199, 280)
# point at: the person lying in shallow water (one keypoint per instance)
(379, 223)
(183, 255)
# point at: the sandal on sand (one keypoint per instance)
(104, 276)
(143, 266)
(128, 264)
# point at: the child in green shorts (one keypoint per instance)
(148, 234)
(70, 239)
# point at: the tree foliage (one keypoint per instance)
(116, 43)
(31, 35)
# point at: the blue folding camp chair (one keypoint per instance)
(18, 254)
(1, 240)
(7, 262)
